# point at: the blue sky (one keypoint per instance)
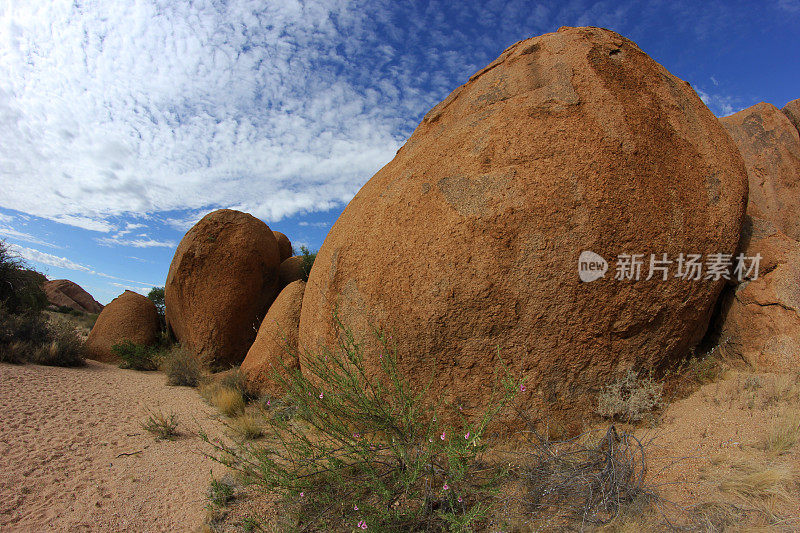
(122, 123)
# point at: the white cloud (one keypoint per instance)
(314, 224)
(31, 254)
(721, 105)
(6, 218)
(112, 108)
(145, 242)
(12, 233)
(44, 258)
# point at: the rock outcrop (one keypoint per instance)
(284, 245)
(761, 317)
(770, 146)
(792, 111)
(63, 292)
(468, 240)
(291, 270)
(275, 346)
(220, 284)
(129, 317)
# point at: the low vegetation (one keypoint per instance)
(136, 356)
(163, 426)
(784, 434)
(227, 400)
(363, 452)
(631, 398)
(181, 367)
(26, 335)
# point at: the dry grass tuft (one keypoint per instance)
(757, 484)
(229, 402)
(247, 426)
(182, 368)
(784, 434)
(630, 398)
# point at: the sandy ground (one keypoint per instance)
(62, 435)
(704, 440)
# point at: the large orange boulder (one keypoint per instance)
(761, 317)
(63, 292)
(220, 284)
(275, 347)
(770, 146)
(465, 246)
(129, 317)
(284, 245)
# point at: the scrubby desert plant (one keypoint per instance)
(136, 356)
(630, 398)
(163, 426)
(598, 478)
(181, 367)
(234, 379)
(62, 348)
(365, 451)
(221, 491)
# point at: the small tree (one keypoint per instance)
(308, 261)
(156, 295)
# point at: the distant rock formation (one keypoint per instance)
(129, 317)
(465, 246)
(63, 292)
(770, 145)
(222, 280)
(275, 347)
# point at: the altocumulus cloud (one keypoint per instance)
(112, 108)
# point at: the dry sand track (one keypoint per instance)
(62, 433)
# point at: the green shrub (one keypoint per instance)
(20, 288)
(136, 356)
(29, 337)
(630, 398)
(366, 451)
(308, 258)
(65, 347)
(221, 491)
(181, 367)
(164, 427)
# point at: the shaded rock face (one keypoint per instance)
(792, 111)
(761, 317)
(67, 293)
(129, 317)
(220, 284)
(465, 246)
(284, 245)
(770, 146)
(291, 270)
(276, 343)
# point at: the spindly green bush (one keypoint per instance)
(364, 451)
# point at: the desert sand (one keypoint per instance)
(64, 433)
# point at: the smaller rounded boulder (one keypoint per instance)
(284, 245)
(291, 270)
(275, 346)
(129, 317)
